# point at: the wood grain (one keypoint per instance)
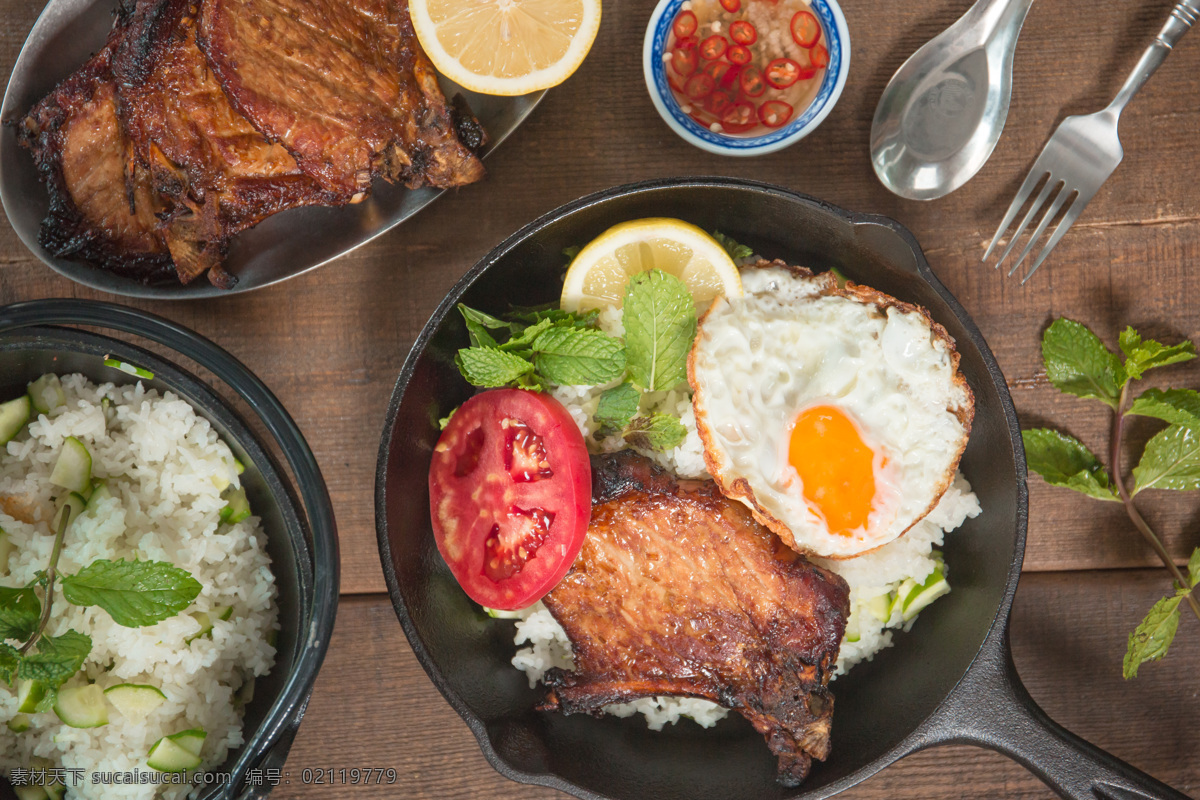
(1068, 634)
(331, 343)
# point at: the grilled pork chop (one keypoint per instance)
(102, 204)
(679, 591)
(343, 85)
(216, 173)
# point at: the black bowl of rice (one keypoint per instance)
(168, 455)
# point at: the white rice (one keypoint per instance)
(165, 467)
(908, 558)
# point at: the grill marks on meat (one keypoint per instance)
(102, 205)
(679, 591)
(150, 166)
(218, 174)
(343, 85)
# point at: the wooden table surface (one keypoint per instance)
(330, 344)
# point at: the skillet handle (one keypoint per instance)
(991, 708)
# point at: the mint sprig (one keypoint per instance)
(660, 432)
(569, 356)
(1078, 363)
(660, 324)
(134, 593)
(20, 611)
(617, 408)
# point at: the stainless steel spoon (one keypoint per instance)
(943, 111)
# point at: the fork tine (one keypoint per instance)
(1037, 205)
(1063, 195)
(1022, 195)
(1073, 212)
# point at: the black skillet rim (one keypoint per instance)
(918, 737)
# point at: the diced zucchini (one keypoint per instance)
(6, 550)
(31, 792)
(921, 596)
(129, 369)
(880, 606)
(135, 701)
(206, 621)
(237, 507)
(82, 706)
(100, 491)
(13, 416)
(245, 693)
(53, 787)
(46, 394)
(73, 470)
(29, 694)
(220, 481)
(239, 465)
(20, 723)
(852, 631)
(178, 752)
(496, 613)
(73, 501)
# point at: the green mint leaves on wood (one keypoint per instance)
(1078, 363)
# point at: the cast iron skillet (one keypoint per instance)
(951, 679)
(299, 522)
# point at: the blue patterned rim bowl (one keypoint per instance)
(836, 39)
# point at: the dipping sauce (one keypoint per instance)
(745, 67)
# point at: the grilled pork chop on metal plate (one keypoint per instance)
(678, 591)
(218, 175)
(343, 85)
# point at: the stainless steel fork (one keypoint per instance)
(1082, 153)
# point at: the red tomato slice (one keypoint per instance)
(510, 496)
(806, 31)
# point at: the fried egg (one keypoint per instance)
(837, 414)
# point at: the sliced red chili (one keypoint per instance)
(718, 103)
(739, 55)
(684, 25)
(732, 6)
(738, 116)
(729, 79)
(775, 113)
(716, 70)
(806, 31)
(687, 43)
(699, 86)
(820, 57)
(751, 82)
(714, 47)
(782, 73)
(683, 62)
(743, 32)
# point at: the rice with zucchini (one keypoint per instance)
(127, 507)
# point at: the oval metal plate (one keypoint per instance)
(285, 245)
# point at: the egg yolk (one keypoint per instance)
(835, 466)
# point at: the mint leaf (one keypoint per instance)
(1063, 460)
(10, 662)
(1194, 567)
(57, 658)
(1176, 406)
(578, 357)
(531, 315)
(20, 612)
(478, 324)
(659, 432)
(1078, 363)
(1171, 461)
(1142, 355)
(736, 251)
(490, 368)
(617, 407)
(1152, 638)
(571, 252)
(522, 343)
(134, 593)
(660, 324)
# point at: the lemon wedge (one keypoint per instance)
(598, 275)
(506, 47)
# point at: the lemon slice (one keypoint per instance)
(506, 47)
(597, 276)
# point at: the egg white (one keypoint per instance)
(794, 341)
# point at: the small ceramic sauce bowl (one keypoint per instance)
(835, 37)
